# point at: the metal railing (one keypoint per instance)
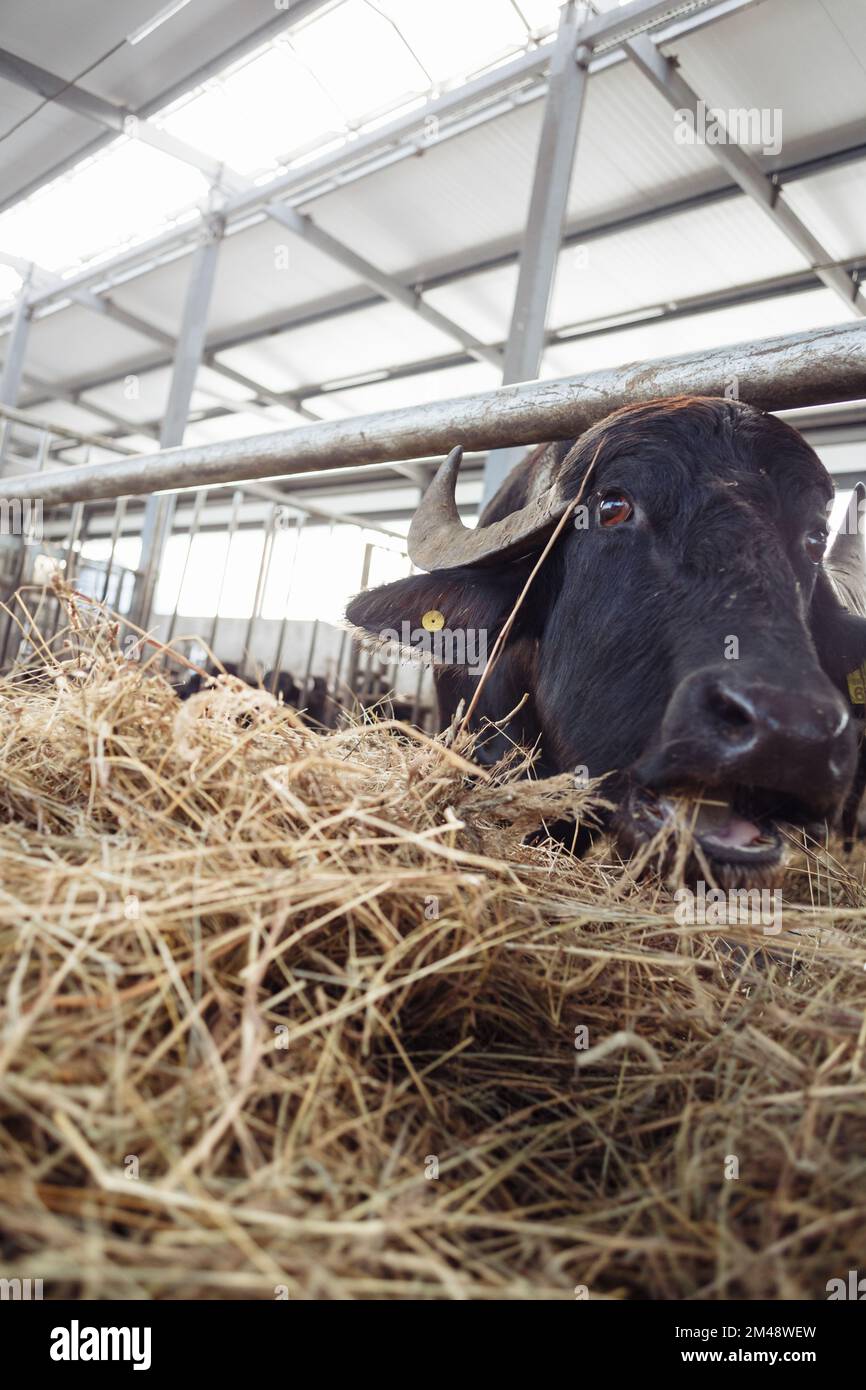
(817, 367)
(65, 547)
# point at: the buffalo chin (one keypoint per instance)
(726, 835)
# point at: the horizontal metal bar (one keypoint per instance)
(578, 234)
(285, 500)
(818, 367)
(291, 12)
(99, 441)
(612, 26)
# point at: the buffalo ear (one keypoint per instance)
(466, 599)
(839, 636)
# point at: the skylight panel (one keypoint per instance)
(454, 38)
(126, 194)
(265, 109)
(360, 59)
(542, 16)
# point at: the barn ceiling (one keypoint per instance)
(661, 253)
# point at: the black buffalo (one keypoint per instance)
(683, 634)
(283, 686)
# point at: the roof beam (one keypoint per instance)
(554, 163)
(159, 511)
(816, 367)
(746, 293)
(391, 288)
(118, 119)
(125, 122)
(295, 398)
(665, 76)
(478, 100)
(291, 12)
(612, 26)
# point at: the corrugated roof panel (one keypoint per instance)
(73, 417)
(416, 390)
(75, 343)
(88, 38)
(698, 332)
(228, 427)
(627, 153)
(259, 271)
(466, 191)
(805, 58)
(27, 131)
(139, 399)
(480, 303)
(348, 347)
(707, 249)
(833, 205)
(68, 38)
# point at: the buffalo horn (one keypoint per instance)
(439, 540)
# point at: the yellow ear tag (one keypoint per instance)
(433, 621)
(857, 686)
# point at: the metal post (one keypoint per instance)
(73, 537)
(354, 660)
(237, 500)
(281, 640)
(117, 526)
(817, 366)
(159, 512)
(261, 581)
(310, 654)
(546, 220)
(335, 688)
(200, 499)
(742, 167)
(13, 363)
(43, 450)
(308, 673)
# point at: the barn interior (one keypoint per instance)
(267, 247)
(235, 227)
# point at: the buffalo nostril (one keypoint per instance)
(734, 716)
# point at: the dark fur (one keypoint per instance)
(617, 618)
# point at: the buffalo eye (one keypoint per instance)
(815, 544)
(614, 508)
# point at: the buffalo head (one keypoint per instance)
(683, 634)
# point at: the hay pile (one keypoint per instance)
(294, 1014)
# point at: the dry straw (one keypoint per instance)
(290, 1013)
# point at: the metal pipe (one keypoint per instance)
(355, 650)
(817, 367)
(335, 686)
(43, 449)
(159, 511)
(545, 222)
(73, 536)
(200, 499)
(261, 582)
(309, 667)
(281, 640)
(119, 514)
(315, 632)
(16, 348)
(98, 441)
(237, 499)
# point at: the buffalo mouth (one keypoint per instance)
(735, 834)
